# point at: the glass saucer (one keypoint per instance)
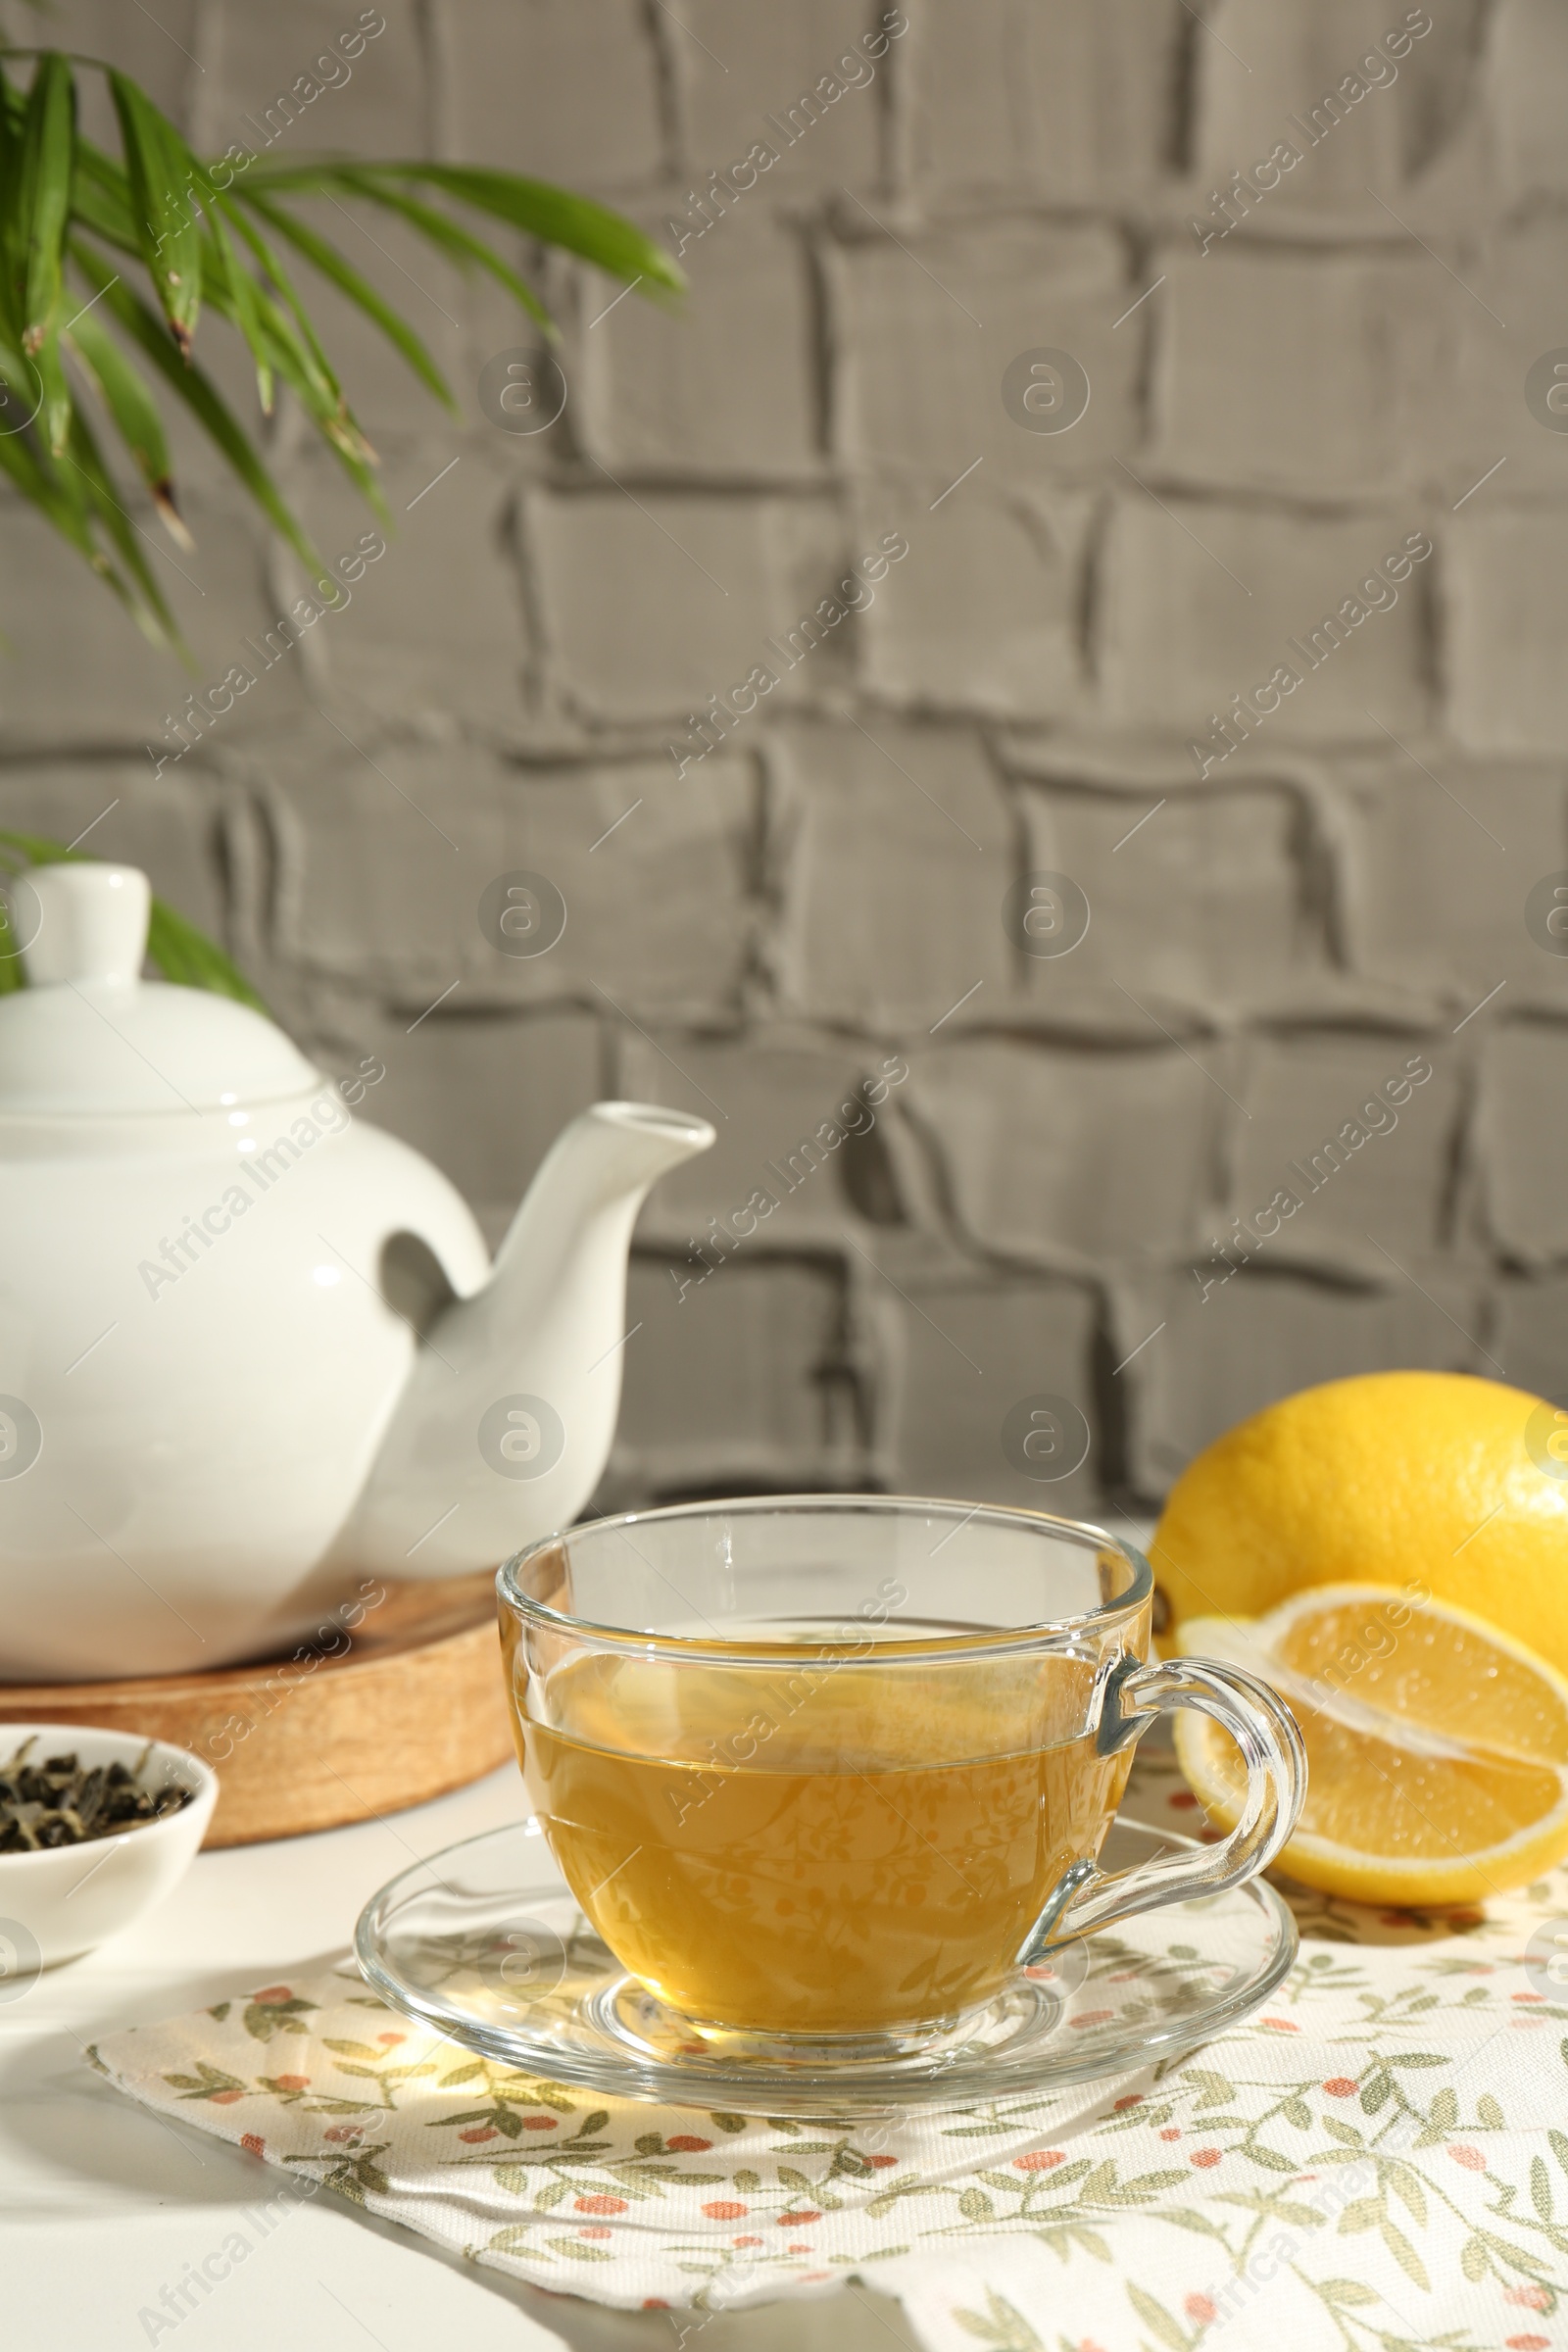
(485, 1943)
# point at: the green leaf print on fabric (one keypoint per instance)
(275, 2011)
(1000, 2325)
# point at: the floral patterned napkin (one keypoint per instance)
(1378, 2163)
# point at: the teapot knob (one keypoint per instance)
(88, 922)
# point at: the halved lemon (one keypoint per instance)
(1437, 1746)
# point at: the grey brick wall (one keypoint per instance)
(1037, 1218)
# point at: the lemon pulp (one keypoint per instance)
(1436, 1745)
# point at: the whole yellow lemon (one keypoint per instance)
(1392, 1478)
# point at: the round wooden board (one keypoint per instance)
(414, 1707)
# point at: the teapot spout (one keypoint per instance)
(508, 1415)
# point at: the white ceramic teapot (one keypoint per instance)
(253, 1351)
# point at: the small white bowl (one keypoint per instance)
(65, 1900)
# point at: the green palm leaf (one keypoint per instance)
(13, 113)
(83, 454)
(330, 263)
(162, 213)
(273, 270)
(43, 208)
(159, 210)
(57, 494)
(127, 397)
(43, 192)
(459, 244)
(54, 415)
(311, 374)
(246, 311)
(101, 199)
(553, 214)
(201, 397)
(557, 218)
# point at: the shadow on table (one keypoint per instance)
(855, 2320)
(1333, 1918)
(76, 2126)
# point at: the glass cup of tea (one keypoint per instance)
(827, 1772)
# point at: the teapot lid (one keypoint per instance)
(90, 1036)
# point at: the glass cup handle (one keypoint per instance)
(1264, 1729)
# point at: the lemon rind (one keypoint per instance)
(1310, 1597)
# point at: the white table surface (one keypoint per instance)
(102, 2204)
